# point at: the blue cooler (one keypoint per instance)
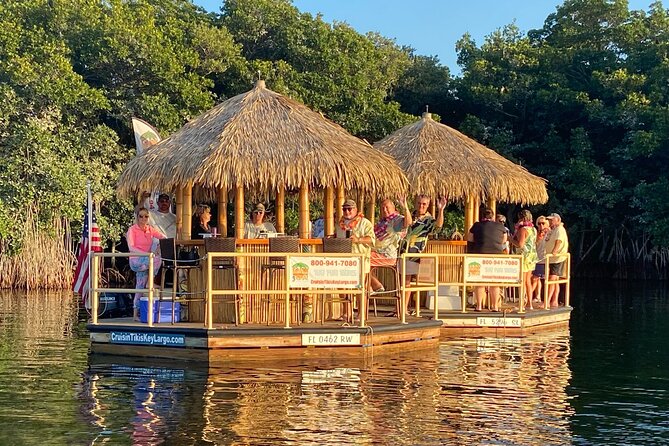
(165, 310)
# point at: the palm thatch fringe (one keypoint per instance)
(440, 161)
(262, 140)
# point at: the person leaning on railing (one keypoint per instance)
(524, 239)
(487, 237)
(142, 237)
(557, 244)
(539, 272)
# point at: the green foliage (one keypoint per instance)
(329, 67)
(583, 103)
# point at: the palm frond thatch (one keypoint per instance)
(440, 161)
(262, 140)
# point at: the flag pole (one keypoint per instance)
(89, 207)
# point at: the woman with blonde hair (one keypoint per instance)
(540, 269)
(201, 222)
(524, 239)
(142, 237)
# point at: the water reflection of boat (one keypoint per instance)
(454, 392)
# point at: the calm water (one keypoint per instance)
(605, 381)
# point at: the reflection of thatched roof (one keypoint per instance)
(440, 161)
(261, 140)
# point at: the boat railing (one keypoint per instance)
(96, 289)
(436, 269)
(293, 283)
(468, 270)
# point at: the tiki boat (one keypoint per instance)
(299, 297)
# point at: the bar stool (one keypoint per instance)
(337, 245)
(278, 264)
(393, 294)
(225, 244)
(171, 262)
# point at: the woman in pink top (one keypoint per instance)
(142, 237)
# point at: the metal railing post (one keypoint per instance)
(436, 287)
(149, 284)
(363, 294)
(287, 290)
(209, 320)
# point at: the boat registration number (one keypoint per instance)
(498, 321)
(331, 339)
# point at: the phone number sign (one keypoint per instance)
(492, 269)
(325, 272)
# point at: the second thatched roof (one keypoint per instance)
(440, 161)
(262, 140)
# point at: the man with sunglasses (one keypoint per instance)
(163, 219)
(257, 227)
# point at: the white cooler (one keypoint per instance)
(449, 298)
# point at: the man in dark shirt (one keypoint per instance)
(487, 237)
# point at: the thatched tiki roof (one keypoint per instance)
(440, 161)
(262, 140)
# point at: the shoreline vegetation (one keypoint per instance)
(581, 102)
(45, 260)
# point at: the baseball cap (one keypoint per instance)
(349, 204)
(554, 215)
(259, 207)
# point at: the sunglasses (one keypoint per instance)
(143, 216)
(347, 209)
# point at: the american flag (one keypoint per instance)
(81, 282)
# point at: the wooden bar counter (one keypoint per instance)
(253, 309)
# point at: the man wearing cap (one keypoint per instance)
(256, 227)
(355, 226)
(163, 219)
(557, 245)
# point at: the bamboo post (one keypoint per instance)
(361, 200)
(477, 207)
(340, 201)
(433, 207)
(469, 214)
(369, 210)
(491, 204)
(328, 204)
(223, 211)
(239, 212)
(179, 212)
(187, 212)
(303, 227)
(280, 204)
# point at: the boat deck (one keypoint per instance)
(332, 339)
(192, 341)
